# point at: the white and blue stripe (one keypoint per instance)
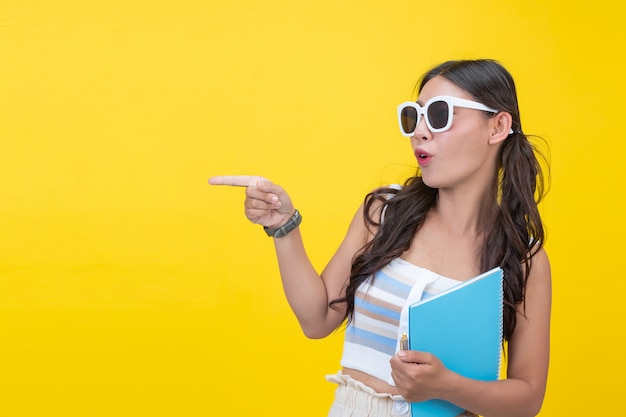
(380, 315)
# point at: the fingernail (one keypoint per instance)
(402, 354)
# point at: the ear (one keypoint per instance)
(500, 126)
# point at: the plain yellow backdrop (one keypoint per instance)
(130, 287)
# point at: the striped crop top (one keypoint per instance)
(381, 315)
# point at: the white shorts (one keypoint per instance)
(355, 399)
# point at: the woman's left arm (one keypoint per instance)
(421, 376)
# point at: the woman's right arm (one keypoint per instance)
(308, 292)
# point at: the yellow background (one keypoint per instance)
(130, 287)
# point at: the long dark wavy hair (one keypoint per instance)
(515, 235)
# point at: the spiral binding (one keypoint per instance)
(501, 320)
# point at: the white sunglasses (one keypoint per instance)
(438, 112)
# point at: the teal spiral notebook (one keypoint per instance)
(462, 326)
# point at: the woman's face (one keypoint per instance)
(461, 155)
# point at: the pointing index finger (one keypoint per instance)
(236, 180)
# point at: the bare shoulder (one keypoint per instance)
(540, 272)
(361, 231)
(541, 259)
(371, 213)
(365, 222)
(379, 199)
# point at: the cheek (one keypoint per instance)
(462, 147)
(461, 158)
(470, 155)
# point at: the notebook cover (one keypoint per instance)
(462, 326)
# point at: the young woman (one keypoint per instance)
(472, 206)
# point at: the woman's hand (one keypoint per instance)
(419, 376)
(266, 203)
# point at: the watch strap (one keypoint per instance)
(281, 231)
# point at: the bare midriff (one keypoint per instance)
(376, 384)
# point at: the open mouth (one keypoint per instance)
(423, 158)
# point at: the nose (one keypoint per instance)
(421, 130)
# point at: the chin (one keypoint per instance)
(430, 181)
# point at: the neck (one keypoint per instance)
(465, 213)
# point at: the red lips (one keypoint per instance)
(423, 158)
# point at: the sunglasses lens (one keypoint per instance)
(438, 114)
(408, 119)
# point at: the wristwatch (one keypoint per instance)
(281, 231)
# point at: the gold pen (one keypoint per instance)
(404, 341)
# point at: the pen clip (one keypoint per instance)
(404, 341)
